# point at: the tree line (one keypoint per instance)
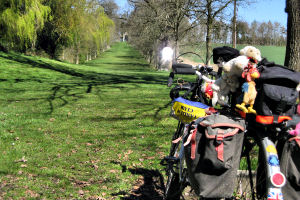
(255, 33)
(79, 28)
(154, 24)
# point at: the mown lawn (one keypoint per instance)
(91, 131)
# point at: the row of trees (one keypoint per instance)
(154, 24)
(256, 33)
(157, 23)
(80, 26)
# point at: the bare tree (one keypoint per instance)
(166, 19)
(234, 24)
(210, 10)
(236, 4)
(292, 56)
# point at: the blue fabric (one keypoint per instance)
(191, 103)
(245, 87)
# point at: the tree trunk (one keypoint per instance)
(292, 55)
(234, 26)
(208, 39)
(63, 54)
(77, 56)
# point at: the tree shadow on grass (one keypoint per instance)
(149, 187)
(82, 78)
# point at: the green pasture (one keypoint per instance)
(92, 131)
(272, 53)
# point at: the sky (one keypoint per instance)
(261, 11)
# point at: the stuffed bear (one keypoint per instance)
(233, 69)
(236, 65)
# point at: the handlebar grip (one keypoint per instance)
(181, 65)
(183, 69)
(170, 80)
(190, 71)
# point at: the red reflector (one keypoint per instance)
(278, 179)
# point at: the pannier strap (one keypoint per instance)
(221, 135)
(297, 140)
(177, 140)
(193, 144)
(192, 139)
(223, 125)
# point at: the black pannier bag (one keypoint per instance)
(212, 152)
(290, 167)
(276, 90)
(224, 54)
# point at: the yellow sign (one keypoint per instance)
(187, 113)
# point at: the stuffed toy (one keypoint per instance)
(221, 88)
(233, 69)
(248, 88)
(295, 132)
(206, 89)
(235, 66)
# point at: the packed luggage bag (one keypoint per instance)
(212, 152)
(290, 167)
(276, 92)
(277, 101)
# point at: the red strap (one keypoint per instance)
(193, 144)
(177, 140)
(270, 119)
(220, 148)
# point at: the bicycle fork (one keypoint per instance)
(275, 179)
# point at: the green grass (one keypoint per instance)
(272, 53)
(81, 131)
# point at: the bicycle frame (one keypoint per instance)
(275, 179)
(181, 153)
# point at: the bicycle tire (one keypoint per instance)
(173, 188)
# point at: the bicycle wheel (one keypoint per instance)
(174, 186)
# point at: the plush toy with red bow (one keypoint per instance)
(248, 88)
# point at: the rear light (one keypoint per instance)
(278, 179)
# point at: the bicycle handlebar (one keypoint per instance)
(180, 68)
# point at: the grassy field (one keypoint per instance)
(91, 131)
(272, 53)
